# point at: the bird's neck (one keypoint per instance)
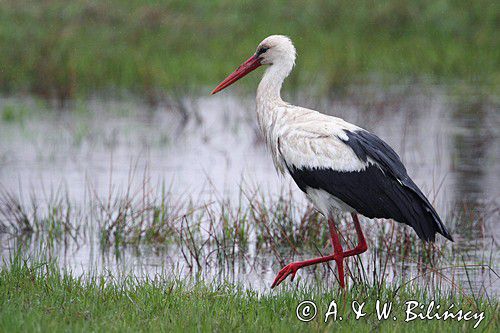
(268, 97)
(270, 107)
(269, 90)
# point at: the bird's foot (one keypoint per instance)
(285, 271)
(291, 269)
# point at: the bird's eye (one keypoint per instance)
(262, 50)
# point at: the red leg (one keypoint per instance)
(362, 246)
(338, 255)
(338, 252)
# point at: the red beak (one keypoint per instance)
(252, 63)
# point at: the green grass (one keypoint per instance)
(37, 297)
(65, 49)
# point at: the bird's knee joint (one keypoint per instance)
(362, 247)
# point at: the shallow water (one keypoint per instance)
(449, 144)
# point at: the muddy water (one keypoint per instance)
(449, 143)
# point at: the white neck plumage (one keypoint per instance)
(270, 106)
(269, 90)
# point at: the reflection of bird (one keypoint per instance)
(337, 164)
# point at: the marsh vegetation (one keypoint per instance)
(64, 50)
(129, 198)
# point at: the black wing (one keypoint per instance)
(383, 191)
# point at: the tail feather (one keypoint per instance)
(427, 222)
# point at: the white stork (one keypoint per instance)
(338, 165)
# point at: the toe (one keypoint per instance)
(282, 274)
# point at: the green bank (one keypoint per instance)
(61, 49)
(37, 297)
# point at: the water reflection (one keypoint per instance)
(449, 149)
(473, 147)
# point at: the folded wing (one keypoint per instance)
(364, 173)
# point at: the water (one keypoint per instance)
(449, 144)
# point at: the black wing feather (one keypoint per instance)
(383, 191)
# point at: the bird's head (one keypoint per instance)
(275, 50)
